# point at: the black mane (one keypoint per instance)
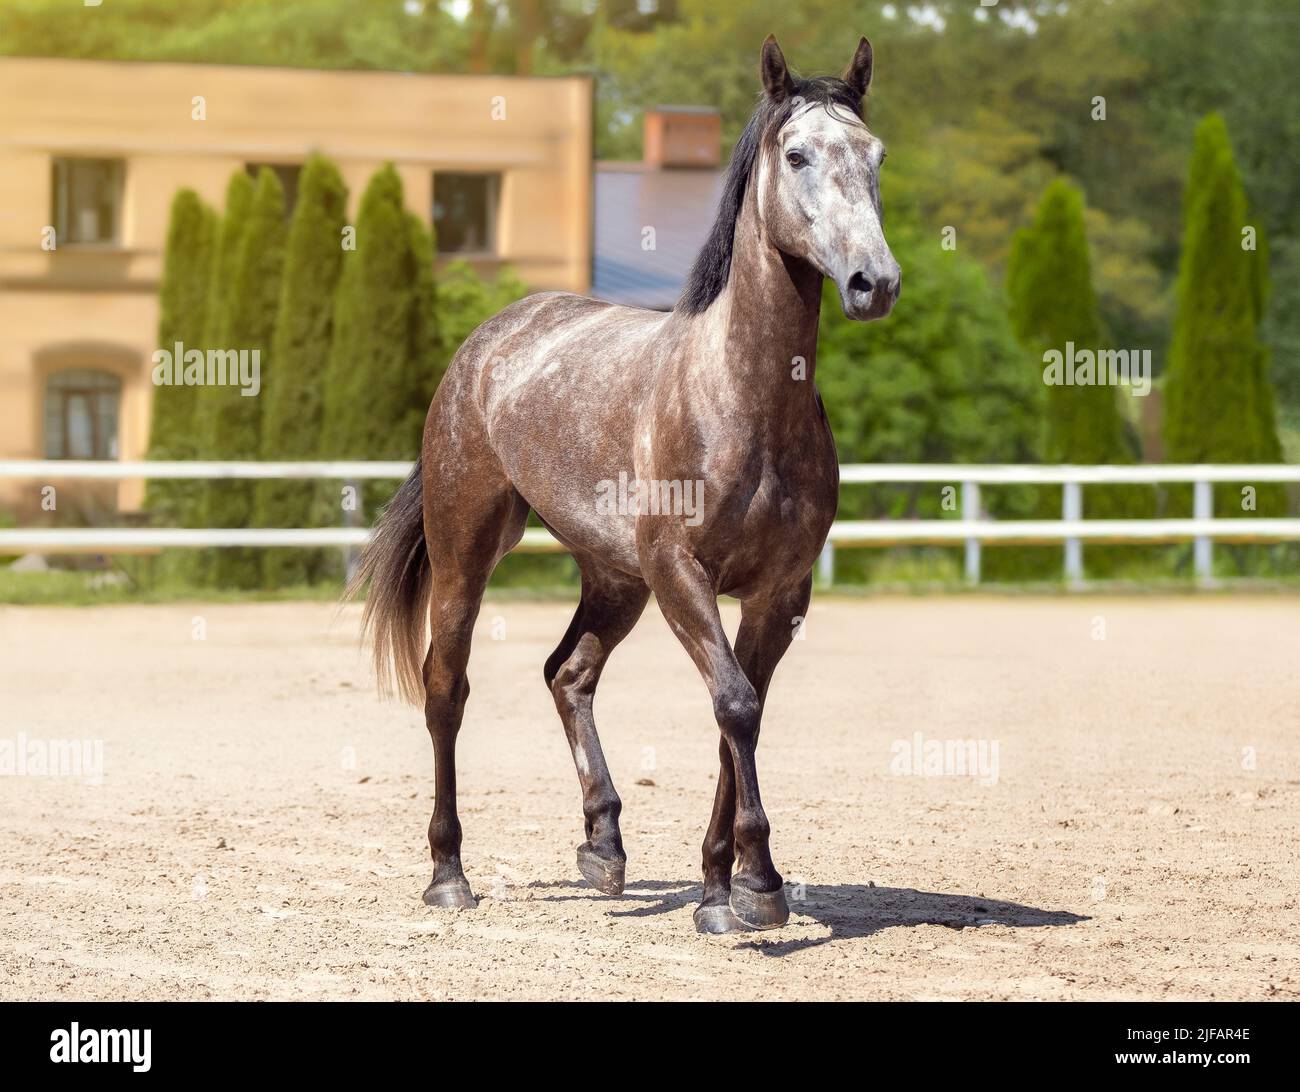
(709, 274)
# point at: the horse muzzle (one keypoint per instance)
(871, 294)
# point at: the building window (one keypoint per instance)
(288, 174)
(81, 411)
(87, 201)
(465, 212)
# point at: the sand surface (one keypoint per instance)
(259, 827)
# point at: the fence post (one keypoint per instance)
(351, 517)
(970, 510)
(1072, 509)
(1203, 545)
(826, 564)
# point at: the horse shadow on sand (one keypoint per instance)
(848, 911)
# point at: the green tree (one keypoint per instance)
(194, 565)
(942, 380)
(465, 301)
(182, 299)
(426, 362)
(1051, 302)
(228, 233)
(293, 395)
(384, 362)
(289, 33)
(1052, 305)
(232, 418)
(1219, 404)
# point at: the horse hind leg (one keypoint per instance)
(611, 604)
(451, 615)
(466, 536)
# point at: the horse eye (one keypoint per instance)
(795, 159)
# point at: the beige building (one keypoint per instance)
(91, 153)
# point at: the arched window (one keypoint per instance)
(81, 411)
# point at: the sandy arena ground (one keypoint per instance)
(259, 830)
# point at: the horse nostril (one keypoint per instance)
(895, 286)
(860, 282)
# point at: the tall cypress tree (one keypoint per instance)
(195, 565)
(425, 362)
(384, 359)
(226, 237)
(1049, 282)
(294, 403)
(1218, 398)
(229, 232)
(182, 302)
(1052, 302)
(247, 323)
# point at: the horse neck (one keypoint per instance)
(764, 324)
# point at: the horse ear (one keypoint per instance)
(776, 76)
(858, 74)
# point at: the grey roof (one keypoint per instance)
(679, 203)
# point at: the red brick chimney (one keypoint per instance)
(683, 136)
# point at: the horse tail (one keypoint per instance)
(396, 563)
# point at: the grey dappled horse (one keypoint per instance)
(555, 397)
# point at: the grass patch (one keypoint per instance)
(72, 588)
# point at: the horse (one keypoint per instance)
(558, 395)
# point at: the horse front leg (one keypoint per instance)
(688, 600)
(767, 626)
(611, 604)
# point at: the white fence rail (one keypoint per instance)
(972, 529)
(111, 470)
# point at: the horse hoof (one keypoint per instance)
(717, 919)
(452, 894)
(604, 875)
(759, 909)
